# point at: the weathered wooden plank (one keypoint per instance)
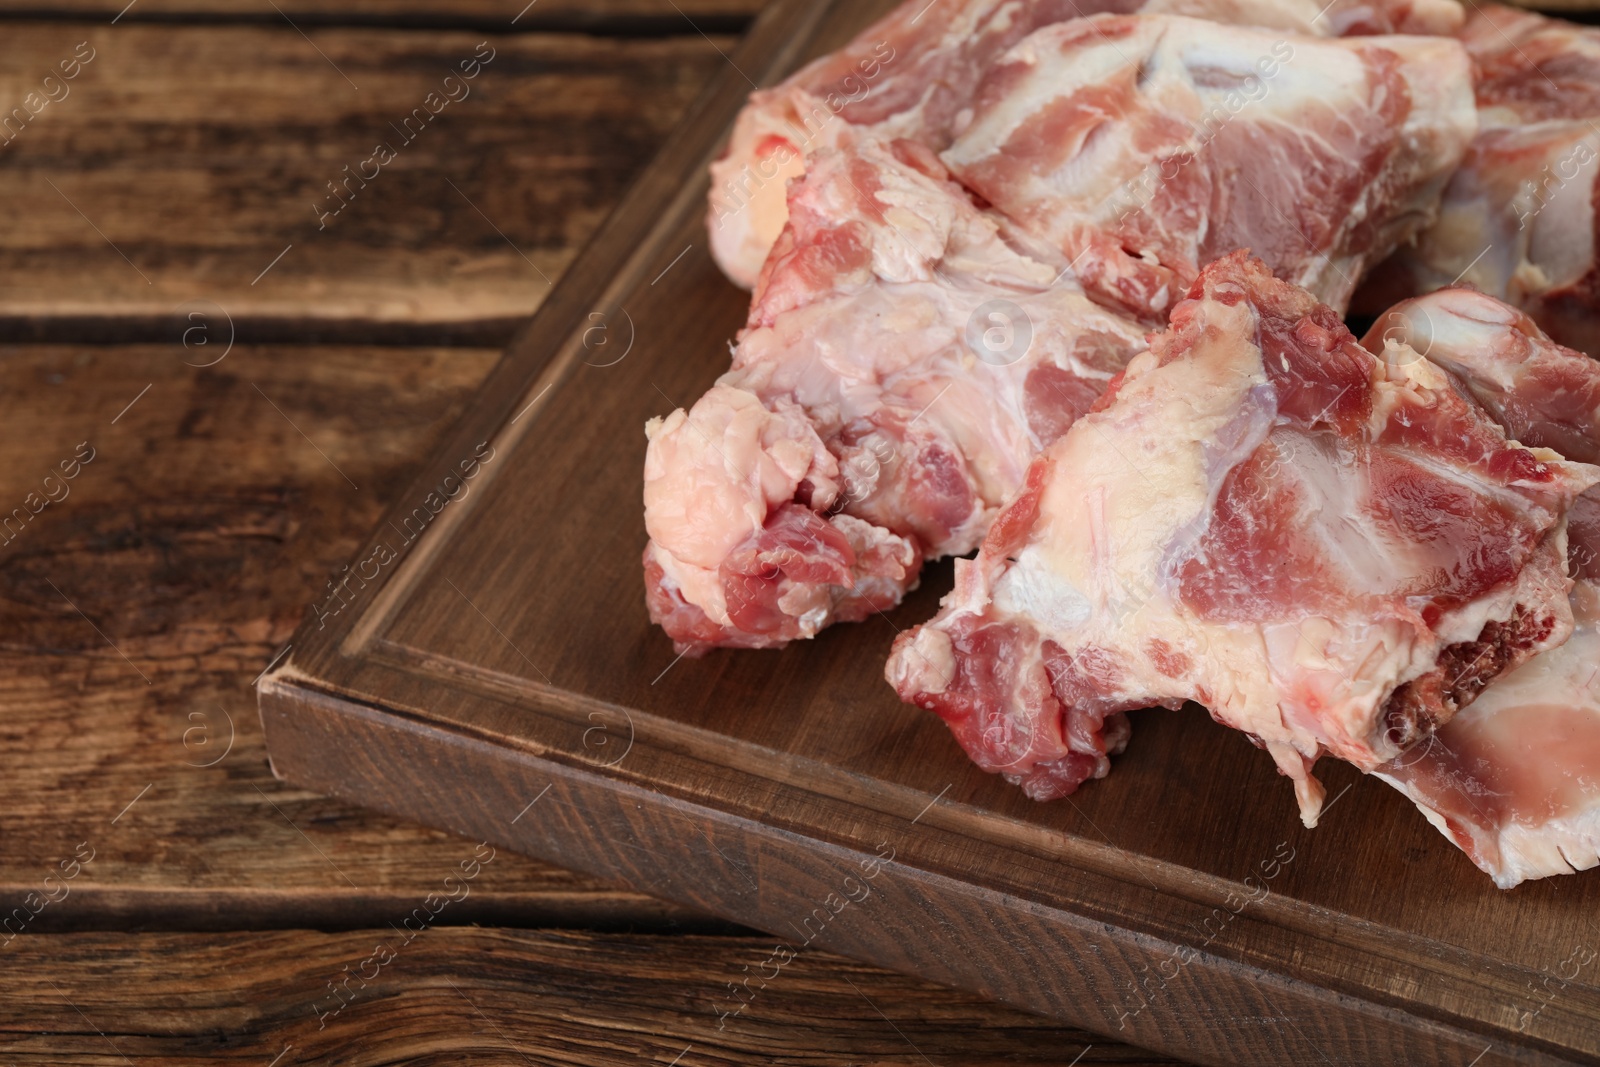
(190, 543)
(756, 784)
(493, 996)
(631, 14)
(226, 163)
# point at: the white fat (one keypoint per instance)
(697, 585)
(1560, 846)
(926, 664)
(1562, 242)
(1525, 851)
(1035, 590)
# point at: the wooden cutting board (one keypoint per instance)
(488, 667)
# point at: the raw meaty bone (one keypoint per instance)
(868, 423)
(1329, 551)
(902, 364)
(911, 74)
(1518, 219)
(1514, 778)
(1144, 147)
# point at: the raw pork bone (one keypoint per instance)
(1331, 552)
(877, 411)
(862, 429)
(911, 74)
(1144, 147)
(1518, 219)
(1514, 778)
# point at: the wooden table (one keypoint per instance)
(241, 380)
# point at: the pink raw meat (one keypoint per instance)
(904, 360)
(867, 387)
(911, 75)
(1145, 147)
(1518, 220)
(1331, 552)
(1514, 778)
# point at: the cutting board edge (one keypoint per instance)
(364, 753)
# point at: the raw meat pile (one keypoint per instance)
(1064, 282)
(1518, 220)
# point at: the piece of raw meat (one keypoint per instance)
(903, 361)
(911, 74)
(1514, 778)
(1518, 219)
(1145, 147)
(1331, 552)
(869, 322)
(872, 322)
(1543, 394)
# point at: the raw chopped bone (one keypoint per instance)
(934, 344)
(1145, 147)
(1330, 551)
(903, 362)
(1514, 778)
(1518, 218)
(913, 72)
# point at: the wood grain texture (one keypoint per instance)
(192, 541)
(753, 783)
(1051, 913)
(184, 160)
(492, 997)
(629, 15)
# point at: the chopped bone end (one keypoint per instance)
(1514, 779)
(1464, 670)
(1264, 518)
(1543, 394)
(734, 559)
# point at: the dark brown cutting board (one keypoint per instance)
(493, 653)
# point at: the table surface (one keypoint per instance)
(245, 379)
